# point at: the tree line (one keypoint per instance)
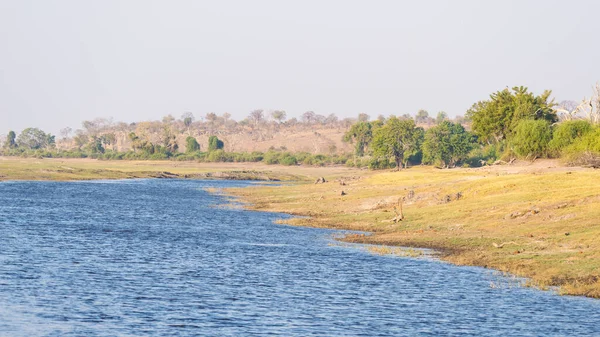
(512, 123)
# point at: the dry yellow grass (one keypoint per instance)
(14, 168)
(530, 220)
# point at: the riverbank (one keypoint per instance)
(15, 168)
(535, 220)
(538, 220)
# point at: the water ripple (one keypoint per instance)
(156, 258)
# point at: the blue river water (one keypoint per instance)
(160, 258)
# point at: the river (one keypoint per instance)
(164, 258)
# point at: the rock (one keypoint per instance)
(343, 193)
(513, 215)
(320, 180)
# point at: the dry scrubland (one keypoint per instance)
(536, 220)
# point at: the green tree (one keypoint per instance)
(495, 120)
(215, 143)
(10, 140)
(531, 138)
(108, 139)
(188, 119)
(80, 139)
(422, 116)
(441, 116)
(33, 139)
(191, 144)
(279, 115)
(398, 139)
(447, 144)
(363, 117)
(95, 145)
(169, 139)
(50, 141)
(135, 141)
(257, 116)
(362, 134)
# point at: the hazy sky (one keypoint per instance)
(62, 62)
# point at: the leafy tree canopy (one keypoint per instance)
(362, 134)
(34, 138)
(441, 116)
(10, 140)
(215, 143)
(279, 115)
(447, 144)
(191, 144)
(495, 120)
(422, 116)
(398, 139)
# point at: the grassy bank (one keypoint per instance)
(14, 168)
(537, 220)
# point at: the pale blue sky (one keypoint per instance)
(62, 62)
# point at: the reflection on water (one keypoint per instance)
(153, 257)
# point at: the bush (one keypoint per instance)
(288, 159)
(191, 144)
(218, 156)
(566, 133)
(159, 156)
(487, 154)
(271, 157)
(215, 143)
(341, 159)
(301, 156)
(584, 150)
(531, 138)
(317, 160)
(381, 164)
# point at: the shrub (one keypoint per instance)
(218, 156)
(158, 156)
(271, 157)
(566, 133)
(301, 156)
(487, 154)
(191, 144)
(381, 164)
(215, 143)
(584, 150)
(288, 159)
(531, 138)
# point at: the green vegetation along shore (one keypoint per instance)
(14, 168)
